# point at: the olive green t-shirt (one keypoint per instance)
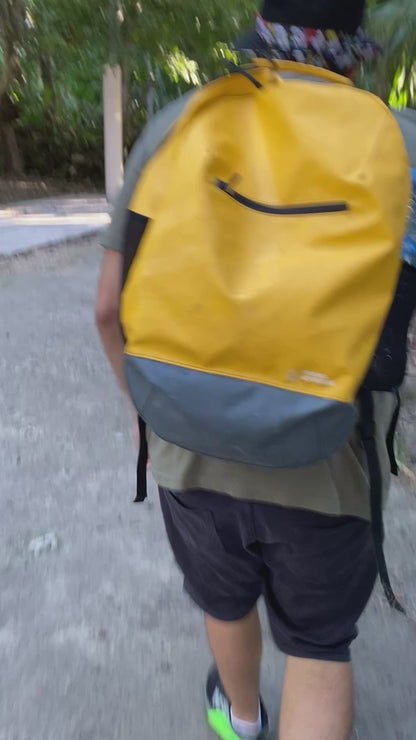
(336, 486)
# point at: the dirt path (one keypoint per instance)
(96, 640)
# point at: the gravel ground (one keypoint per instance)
(96, 639)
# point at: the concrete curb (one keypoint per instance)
(47, 222)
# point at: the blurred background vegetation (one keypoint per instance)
(52, 54)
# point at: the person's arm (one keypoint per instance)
(107, 318)
(107, 308)
(107, 312)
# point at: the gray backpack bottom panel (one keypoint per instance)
(236, 420)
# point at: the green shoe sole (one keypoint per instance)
(221, 725)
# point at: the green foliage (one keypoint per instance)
(59, 48)
(52, 54)
(393, 24)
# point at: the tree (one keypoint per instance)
(12, 34)
(163, 47)
(393, 23)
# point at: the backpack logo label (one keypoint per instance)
(307, 376)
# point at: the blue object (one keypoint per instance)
(409, 244)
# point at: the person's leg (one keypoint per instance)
(320, 575)
(237, 648)
(317, 702)
(224, 576)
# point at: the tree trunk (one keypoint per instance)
(49, 84)
(151, 100)
(12, 154)
(151, 91)
(126, 73)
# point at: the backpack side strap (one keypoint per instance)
(392, 433)
(368, 435)
(141, 493)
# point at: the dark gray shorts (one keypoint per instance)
(316, 572)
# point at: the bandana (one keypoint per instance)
(333, 50)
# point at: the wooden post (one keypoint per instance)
(113, 131)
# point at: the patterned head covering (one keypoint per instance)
(334, 50)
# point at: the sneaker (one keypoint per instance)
(219, 711)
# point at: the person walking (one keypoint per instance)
(301, 537)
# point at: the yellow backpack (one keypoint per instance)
(267, 231)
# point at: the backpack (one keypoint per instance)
(262, 255)
(270, 225)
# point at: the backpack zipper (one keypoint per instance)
(305, 210)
